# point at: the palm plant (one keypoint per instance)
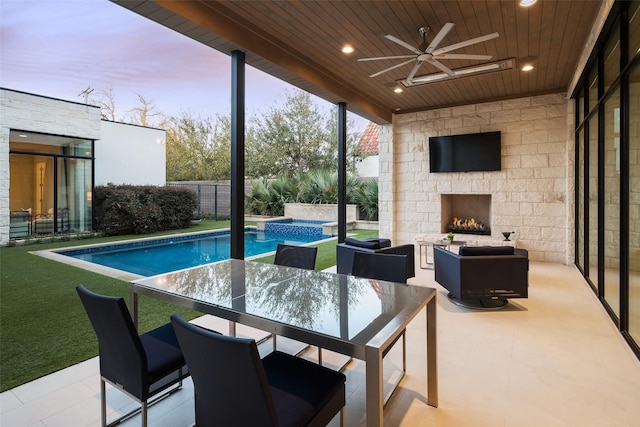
(366, 196)
(319, 187)
(315, 187)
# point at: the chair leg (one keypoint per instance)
(404, 351)
(103, 403)
(144, 413)
(343, 416)
(275, 344)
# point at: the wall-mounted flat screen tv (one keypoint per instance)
(465, 153)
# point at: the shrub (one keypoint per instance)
(366, 197)
(128, 209)
(316, 187)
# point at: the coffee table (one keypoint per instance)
(443, 243)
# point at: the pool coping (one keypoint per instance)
(56, 255)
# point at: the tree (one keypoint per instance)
(146, 114)
(290, 139)
(105, 99)
(198, 148)
(352, 140)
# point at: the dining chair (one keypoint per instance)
(299, 257)
(234, 387)
(141, 366)
(390, 268)
(296, 256)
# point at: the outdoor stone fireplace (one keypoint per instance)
(472, 211)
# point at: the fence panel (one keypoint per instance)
(214, 199)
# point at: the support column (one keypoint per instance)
(342, 171)
(237, 153)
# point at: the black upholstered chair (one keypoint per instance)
(234, 387)
(381, 266)
(483, 277)
(389, 267)
(296, 256)
(345, 252)
(299, 257)
(141, 366)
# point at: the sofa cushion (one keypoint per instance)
(485, 250)
(368, 243)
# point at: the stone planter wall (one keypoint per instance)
(318, 212)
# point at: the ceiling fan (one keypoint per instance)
(430, 53)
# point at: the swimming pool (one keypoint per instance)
(157, 256)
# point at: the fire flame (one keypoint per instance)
(468, 223)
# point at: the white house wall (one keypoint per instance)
(28, 112)
(124, 154)
(368, 167)
(130, 154)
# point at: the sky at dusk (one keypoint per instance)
(59, 48)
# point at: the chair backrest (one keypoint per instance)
(389, 267)
(123, 359)
(296, 256)
(230, 383)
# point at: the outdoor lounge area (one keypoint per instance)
(541, 361)
(562, 181)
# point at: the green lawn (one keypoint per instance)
(43, 327)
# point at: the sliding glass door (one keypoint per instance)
(51, 183)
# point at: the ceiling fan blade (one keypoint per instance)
(414, 70)
(403, 44)
(377, 58)
(438, 38)
(465, 43)
(443, 67)
(461, 56)
(391, 68)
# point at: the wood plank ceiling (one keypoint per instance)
(300, 42)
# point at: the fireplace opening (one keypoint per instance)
(465, 213)
(468, 226)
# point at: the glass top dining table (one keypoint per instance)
(354, 316)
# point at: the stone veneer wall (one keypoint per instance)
(532, 194)
(27, 112)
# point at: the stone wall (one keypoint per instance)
(532, 194)
(326, 212)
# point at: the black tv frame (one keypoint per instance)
(473, 152)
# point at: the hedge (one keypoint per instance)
(129, 209)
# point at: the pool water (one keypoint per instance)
(151, 257)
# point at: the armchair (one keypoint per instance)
(482, 277)
(345, 252)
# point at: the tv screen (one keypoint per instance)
(465, 153)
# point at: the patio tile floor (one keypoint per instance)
(554, 359)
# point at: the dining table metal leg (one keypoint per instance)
(373, 385)
(432, 354)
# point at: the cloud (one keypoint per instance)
(58, 48)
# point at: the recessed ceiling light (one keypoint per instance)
(347, 48)
(397, 89)
(22, 135)
(527, 3)
(527, 63)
